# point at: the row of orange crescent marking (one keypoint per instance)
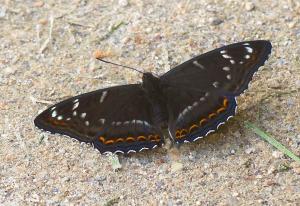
(181, 133)
(152, 138)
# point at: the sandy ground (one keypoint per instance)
(46, 55)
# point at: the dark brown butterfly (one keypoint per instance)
(191, 101)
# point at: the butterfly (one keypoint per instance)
(191, 101)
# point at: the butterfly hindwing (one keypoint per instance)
(228, 69)
(116, 119)
(194, 114)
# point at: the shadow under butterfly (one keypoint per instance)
(191, 100)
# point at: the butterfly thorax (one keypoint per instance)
(154, 92)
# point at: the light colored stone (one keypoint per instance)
(9, 70)
(249, 6)
(250, 150)
(277, 154)
(123, 3)
(214, 21)
(176, 166)
(296, 167)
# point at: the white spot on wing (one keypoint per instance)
(75, 100)
(83, 115)
(139, 122)
(74, 113)
(249, 49)
(170, 134)
(118, 151)
(54, 113)
(53, 108)
(147, 124)
(232, 61)
(220, 124)
(184, 111)
(131, 151)
(228, 77)
(107, 153)
(223, 51)
(216, 84)
(247, 56)
(198, 64)
(179, 117)
(210, 131)
(226, 56)
(126, 123)
(102, 121)
(226, 69)
(60, 117)
(68, 119)
(75, 105)
(246, 44)
(197, 138)
(87, 123)
(144, 148)
(104, 94)
(228, 118)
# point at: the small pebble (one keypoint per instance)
(38, 4)
(292, 24)
(176, 166)
(296, 167)
(2, 12)
(214, 21)
(43, 21)
(271, 183)
(148, 30)
(250, 150)
(123, 3)
(236, 134)
(277, 154)
(249, 6)
(206, 165)
(9, 70)
(271, 170)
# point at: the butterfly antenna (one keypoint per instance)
(121, 65)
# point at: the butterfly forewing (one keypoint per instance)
(228, 69)
(116, 119)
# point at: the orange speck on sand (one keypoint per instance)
(99, 54)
